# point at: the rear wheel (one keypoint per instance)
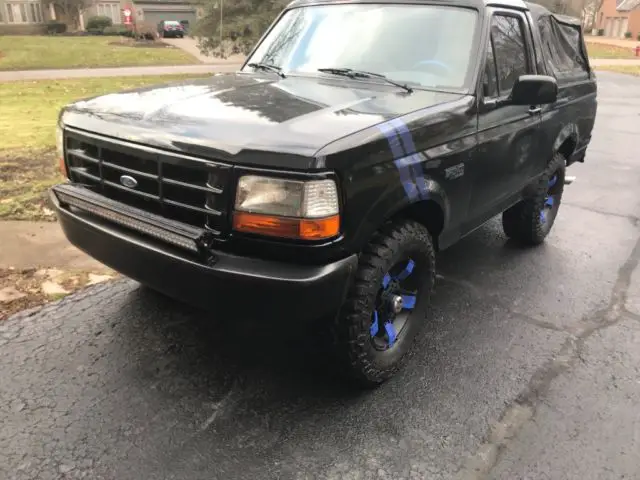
(387, 303)
(530, 221)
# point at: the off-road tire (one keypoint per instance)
(522, 222)
(352, 342)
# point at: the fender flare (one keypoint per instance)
(384, 210)
(569, 131)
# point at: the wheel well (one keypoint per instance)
(427, 213)
(567, 148)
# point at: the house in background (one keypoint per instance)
(616, 17)
(24, 17)
(147, 11)
(154, 11)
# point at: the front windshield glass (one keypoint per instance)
(426, 45)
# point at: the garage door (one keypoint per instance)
(156, 16)
(608, 29)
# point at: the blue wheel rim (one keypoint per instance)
(386, 322)
(549, 200)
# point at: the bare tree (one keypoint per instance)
(585, 10)
(69, 11)
(243, 23)
(590, 11)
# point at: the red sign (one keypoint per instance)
(127, 13)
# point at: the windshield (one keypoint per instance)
(426, 45)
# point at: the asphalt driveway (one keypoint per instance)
(528, 367)
(190, 45)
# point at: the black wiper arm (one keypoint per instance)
(268, 67)
(347, 72)
(351, 73)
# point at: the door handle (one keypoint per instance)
(534, 110)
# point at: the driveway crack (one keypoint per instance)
(523, 408)
(481, 293)
(632, 218)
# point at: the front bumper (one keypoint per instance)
(227, 284)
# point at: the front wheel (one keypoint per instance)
(530, 221)
(387, 303)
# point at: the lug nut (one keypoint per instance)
(396, 303)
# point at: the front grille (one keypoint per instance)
(175, 186)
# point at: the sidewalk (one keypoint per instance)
(616, 42)
(600, 62)
(40, 245)
(38, 264)
(13, 76)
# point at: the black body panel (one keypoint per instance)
(451, 159)
(248, 119)
(231, 285)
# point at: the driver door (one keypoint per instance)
(508, 155)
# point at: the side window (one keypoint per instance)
(510, 51)
(574, 48)
(490, 85)
(562, 48)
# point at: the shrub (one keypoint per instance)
(94, 31)
(54, 27)
(627, 34)
(115, 30)
(601, 32)
(99, 22)
(145, 31)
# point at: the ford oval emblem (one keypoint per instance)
(128, 181)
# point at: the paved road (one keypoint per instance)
(528, 367)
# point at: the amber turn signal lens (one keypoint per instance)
(314, 229)
(306, 229)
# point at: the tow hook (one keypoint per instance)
(569, 180)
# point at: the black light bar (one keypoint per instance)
(160, 228)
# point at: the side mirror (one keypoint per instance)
(534, 90)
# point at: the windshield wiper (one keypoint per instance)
(268, 67)
(351, 73)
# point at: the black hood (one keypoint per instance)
(234, 117)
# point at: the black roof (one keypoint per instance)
(519, 4)
(538, 11)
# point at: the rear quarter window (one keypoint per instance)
(562, 49)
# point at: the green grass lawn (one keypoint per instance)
(599, 50)
(44, 52)
(28, 114)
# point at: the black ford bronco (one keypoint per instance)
(319, 181)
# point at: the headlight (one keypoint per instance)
(287, 208)
(60, 150)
